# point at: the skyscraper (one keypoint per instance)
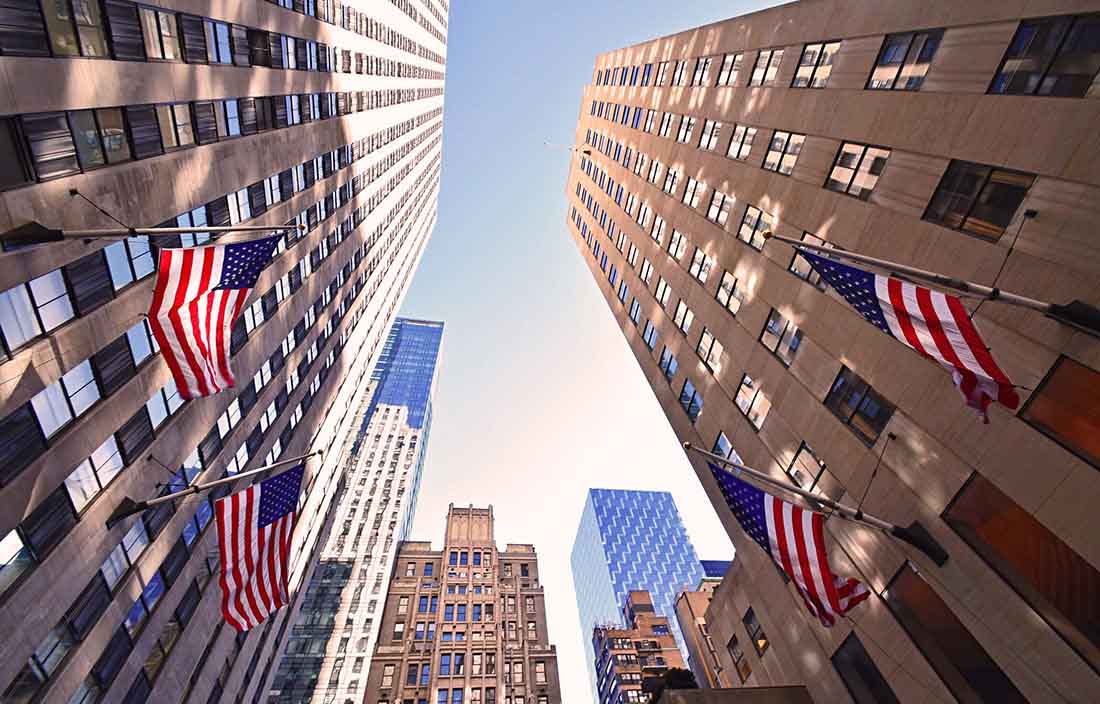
(627, 541)
(465, 624)
(244, 113)
(336, 626)
(957, 138)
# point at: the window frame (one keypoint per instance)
(907, 59)
(792, 147)
(811, 80)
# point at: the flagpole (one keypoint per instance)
(1077, 313)
(128, 507)
(36, 233)
(915, 535)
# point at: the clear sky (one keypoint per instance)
(540, 397)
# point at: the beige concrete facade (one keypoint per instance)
(301, 368)
(1043, 484)
(470, 618)
(691, 612)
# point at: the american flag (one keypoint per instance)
(254, 532)
(199, 293)
(933, 323)
(795, 539)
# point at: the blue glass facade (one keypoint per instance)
(715, 568)
(630, 540)
(405, 374)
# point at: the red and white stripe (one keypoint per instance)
(797, 538)
(192, 322)
(938, 326)
(254, 560)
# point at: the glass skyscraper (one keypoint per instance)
(382, 466)
(629, 540)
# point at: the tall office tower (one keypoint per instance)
(691, 614)
(189, 115)
(959, 138)
(626, 541)
(335, 629)
(633, 658)
(465, 624)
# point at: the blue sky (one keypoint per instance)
(539, 396)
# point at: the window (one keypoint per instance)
(161, 34)
(959, 659)
(856, 404)
(65, 399)
(666, 126)
(668, 363)
(708, 136)
(129, 260)
(700, 265)
(387, 676)
(14, 168)
(802, 269)
(767, 63)
(815, 65)
(677, 244)
(856, 169)
(807, 471)
(1057, 56)
(1033, 560)
(727, 293)
(756, 632)
(51, 145)
(1066, 408)
(702, 71)
(741, 142)
(690, 400)
(753, 404)
(445, 664)
(904, 60)
(693, 192)
(540, 669)
(719, 210)
(781, 337)
(683, 317)
(860, 674)
(709, 350)
(687, 124)
(650, 334)
(671, 179)
(663, 291)
(217, 42)
(978, 199)
(753, 226)
(635, 311)
(662, 73)
(740, 662)
(67, 26)
(783, 152)
(731, 67)
(678, 73)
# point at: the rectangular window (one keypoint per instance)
(687, 125)
(650, 335)
(860, 674)
(978, 199)
(728, 294)
(683, 317)
(857, 169)
(783, 152)
(857, 405)
(663, 291)
(756, 632)
(666, 124)
(51, 145)
(815, 65)
(690, 400)
(701, 75)
(1033, 560)
(1058, 56)
(635, 311)
(741, 142)
(767, 64)
(904, 60)
(740, 662)
(693, 192)
(700, 265)
(679, 73)
(668, 363)
(677, 245)
(1066, 408)
(731, 67)
(952, 650)
(753, 404)
(710, 350)
(708, 137)
(720, 205)
(161, 34)
(781, 337)
(754, 224)
(802, 269)
(807, 471)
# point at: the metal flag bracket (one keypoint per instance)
(914, 534)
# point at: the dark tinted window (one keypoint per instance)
(1067, 408)
(978, 199)
(22, 31)
(114, 364)
(51, 144)
(113, 658)
(864, 681)
(126, 39)
(13, 162)
(90, 281)
(194, 39)
(853, 401)
(48, 523)
(959, 659)
(135, 435)
(1057, 56)
(144, 130)
(23, 442)
(88, 607)
(1057, 582)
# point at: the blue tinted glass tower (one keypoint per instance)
(630, 540)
